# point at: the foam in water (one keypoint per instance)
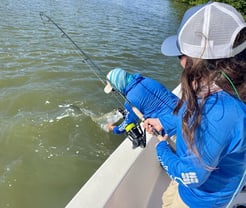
(108, 118)
(71, 110)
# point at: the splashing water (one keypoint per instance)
(71, 110)
(108, 118)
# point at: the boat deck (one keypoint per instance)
(129, 179)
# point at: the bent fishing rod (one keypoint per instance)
(85, 58)
(96, 70)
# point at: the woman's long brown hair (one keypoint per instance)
(198, 74)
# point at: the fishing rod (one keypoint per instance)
(85, 58)
(95, 68)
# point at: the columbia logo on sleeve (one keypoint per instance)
(189, 178)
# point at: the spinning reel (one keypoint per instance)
(136, 135)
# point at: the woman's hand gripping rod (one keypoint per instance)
(154, 131)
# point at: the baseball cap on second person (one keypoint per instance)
(117, 79)
(207, 31)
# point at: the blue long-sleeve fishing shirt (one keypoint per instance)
(212, 179)
(149, 97)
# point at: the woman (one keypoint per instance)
(209, 166)
(147, 95)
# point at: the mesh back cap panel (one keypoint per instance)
(210, 31)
